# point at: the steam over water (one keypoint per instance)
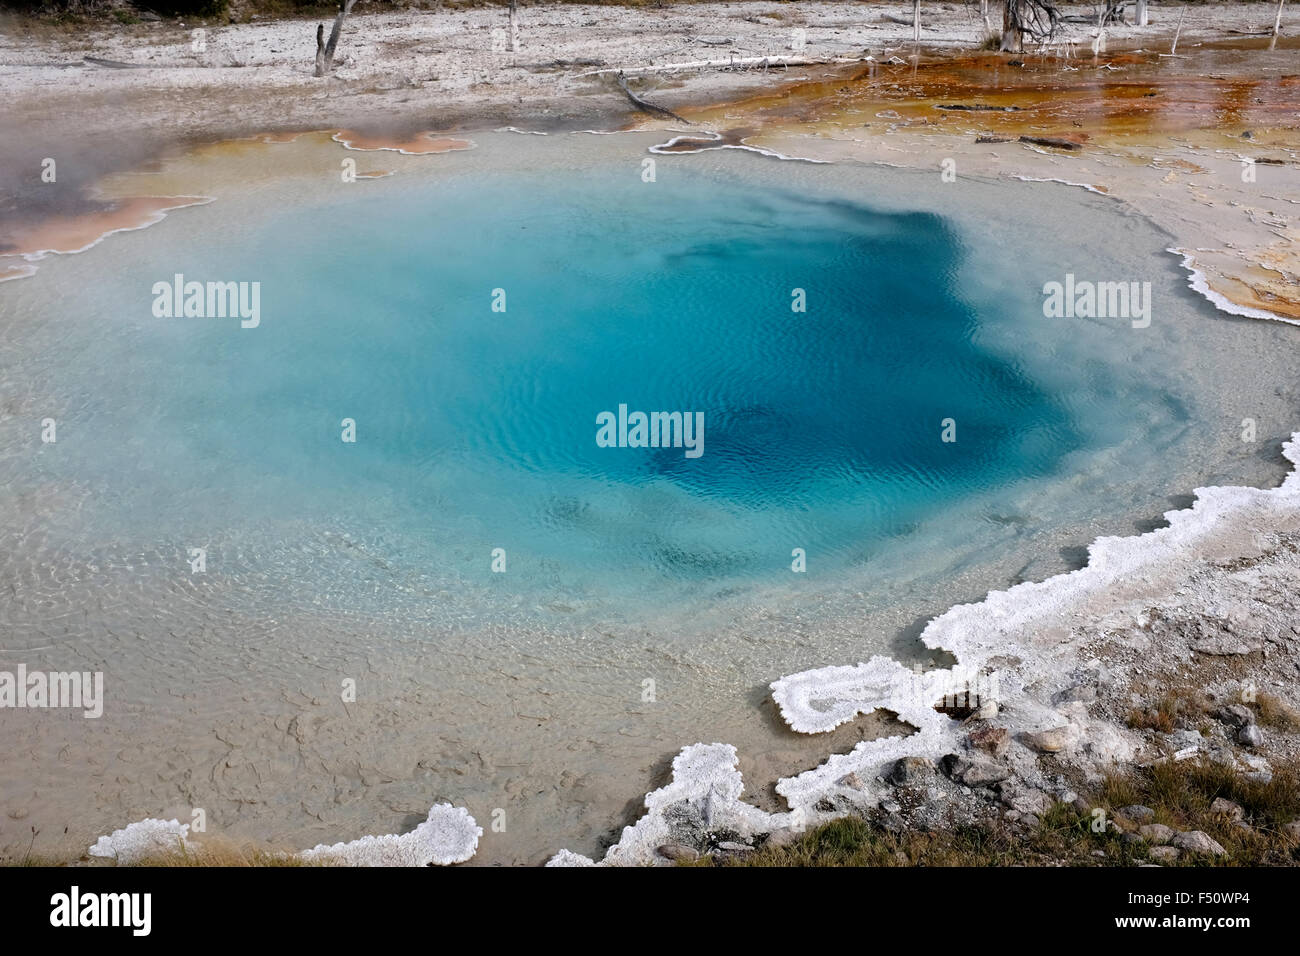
(476, 440)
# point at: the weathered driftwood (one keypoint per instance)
(647, 106)
(115, 64)
(324, 50)
(1052, 141)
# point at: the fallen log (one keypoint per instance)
(1053, 142)
(115, 64)
(647, 106)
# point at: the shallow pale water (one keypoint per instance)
(476, 430)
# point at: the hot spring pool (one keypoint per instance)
(890, 424)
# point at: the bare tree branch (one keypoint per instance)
(325, 50)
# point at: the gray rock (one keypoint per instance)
(1163, 854)
(1026, 800)
(1137, 813)
(1083, 693)
(1292, 831)
(1233, 811)
(678, 853)
(974, 770)
(1250, 736)
(1225, 645)
(1184, 739)
(1236, 714)
(783, 837)
(1157, 833)
(1198, 841)
(912, 772)
(1260, 771)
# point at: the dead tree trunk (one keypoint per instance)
(324, 50)
(1011, 38)
(1035, 18)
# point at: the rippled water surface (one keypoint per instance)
(476, 430)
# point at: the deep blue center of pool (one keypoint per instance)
(476, 428)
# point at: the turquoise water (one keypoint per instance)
(476, 426)
(476, 430)
(822, 428)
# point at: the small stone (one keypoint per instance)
(1236, 715)
(678, 853)
(1250, 736)
(1233, 811)
(1050, 741)
(1083, 693)
(1157, 833)
(852, 781)
(1026, 800)
(1029, 820)
(889, 806)
(1163, 854)
(1198, 841)
(992, 740)
(730, 846)
(1100, 853)
(912, 771)
(18, 813)
(974, 770)
(1292, 831)
(1224, 645)
(1137, 813)
(783, 837)
(1069, 796)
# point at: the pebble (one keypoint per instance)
(679, 853)
(1049, 741)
